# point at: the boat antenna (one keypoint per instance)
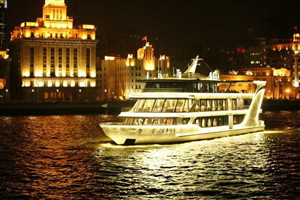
(206, 65)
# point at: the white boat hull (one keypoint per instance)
(130, 135)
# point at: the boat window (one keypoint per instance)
(208, 105)
(148, 105)
(220, 105)
(169, 105)
(191, 104)
(214, 105)
(234, 104)
(138, 121)
(185, 120)
(203, 105)
(140, 105)
(155, 122)
(169, 121)
(237, 119)
(158, 105)
(136, 105)
(209, 124)
(197, 106)
(129, 121)
(205, 122)
(161, 121)
(148, 121)
(180, 105)
(187, 105)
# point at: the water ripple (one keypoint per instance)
(69, 157)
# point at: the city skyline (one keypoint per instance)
(177, 22)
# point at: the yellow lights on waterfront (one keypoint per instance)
(82, 84)
(111, 58)
(93, 74)
(57, 84)
(281, 72)
(162, 57)
(50, 84)
(288, 90)
(65, 84)
(93, 83)
(29, 24)
(72, 84)
(81, 74)
(296, 37)
(38, 74)
(39, 84)
(88, 26)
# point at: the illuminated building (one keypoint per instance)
(56, 61)
(279, 82)
(3, 6)
(4, 76)
(295, 45)
(119, 77)
(277, 54)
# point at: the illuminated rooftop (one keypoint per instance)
(55, 24)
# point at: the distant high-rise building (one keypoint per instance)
(3, 6)
(52, 60)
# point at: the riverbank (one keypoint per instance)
(62, 108)
(110, 107)
(284, 105)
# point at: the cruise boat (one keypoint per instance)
(188, 107)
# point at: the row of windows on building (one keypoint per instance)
(60, 84)
(60, 59)
(56, 35)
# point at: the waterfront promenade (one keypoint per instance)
(105, 107)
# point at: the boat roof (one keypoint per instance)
(173, 79)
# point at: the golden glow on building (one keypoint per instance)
(56, 54)
(4, 55)
(2, 81)
(130, 61)
(54, 24)
(118, 78)
(279, 84)
(146, 54)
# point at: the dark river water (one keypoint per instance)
(68, 157)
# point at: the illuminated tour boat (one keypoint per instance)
(188, 107)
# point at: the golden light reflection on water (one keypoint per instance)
(68, 157)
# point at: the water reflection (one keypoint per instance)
(68, 157)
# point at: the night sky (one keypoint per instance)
(176, 21)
